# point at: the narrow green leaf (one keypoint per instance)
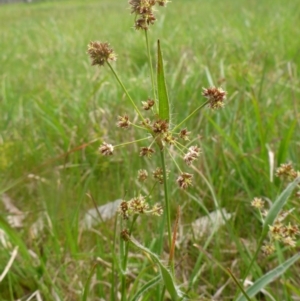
(271, 217)
(166, 275)
(15, 238)
(268, 278)
(145, 287)
(164, 110)
(88, 283)
(277, 206)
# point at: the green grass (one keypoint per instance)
(52, 101)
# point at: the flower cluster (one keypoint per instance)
(106, 149)
(144, 10)
(191, 155)
(286, 171)
(279, 231)
(100, 53)
(138, 205)
(215, 96)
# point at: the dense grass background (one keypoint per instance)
(52, 101)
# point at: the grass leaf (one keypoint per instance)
(277, 206)
(166, 275)
(164, 111)
(145, 287)
(268, 278)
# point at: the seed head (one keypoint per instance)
(257, 203)
(168, 137)
(159, 175)
(146, 151)
(141, 7)
(138, 205)
(123, 122)
(100, 53)
(106, 149)
(157, 210)
(286, 171)
(160, 126)
(142, 175)
(147, 105)
(185, 180)
(123, 210)
(125, 235)
(288, 241)
(268, 249)
(184, 134)
(191, 155)
(216, 97)
(145, 21)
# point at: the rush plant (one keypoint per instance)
(164, 137)
(160, 134)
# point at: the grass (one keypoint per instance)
(52, 101)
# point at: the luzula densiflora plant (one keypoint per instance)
(161, 134)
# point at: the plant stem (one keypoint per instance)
(167, 200)
(189, 116)
(150, 64)
(125, 91)
(124, 250)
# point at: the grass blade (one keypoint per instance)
(164, 111)
(268, 278)
(271, 217)
(145, 287)
(88, 283)
(166, 275)
(277, 206)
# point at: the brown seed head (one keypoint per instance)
(160, 126)
(123, 210)
(216, 97)
(147, 105)
(100, 53)
(106, 149)
(146, 151)
(286, 171)
(191, 155)
(184, 134)
(159, 175)
(125, 235)
(123, 122)
(185, 180)
(144, 21)
(141, 7)
(167, 137)
(142, 175)
(138, 205)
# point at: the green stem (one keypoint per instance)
(124, 266)
(125, 249)
(189, 116)
(131, 142)
(167, 202)
(150, 64)
(125, 91)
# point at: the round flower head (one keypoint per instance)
(100, 53)
(106, 149)
(185, 180)
(216, 97)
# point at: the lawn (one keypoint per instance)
(57, 110)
